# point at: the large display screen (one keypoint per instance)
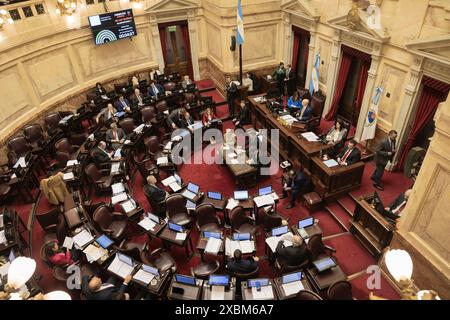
(112, 26)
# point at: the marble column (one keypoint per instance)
(193, 40)
(333, 69)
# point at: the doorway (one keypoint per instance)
(175, 44)
(300, 55)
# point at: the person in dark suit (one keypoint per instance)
(279, 75)
(394, 211)
(243, 117)
(155, 88)
(175, 117)
(137, 98)
(384, 153)
(296, 182)
(101, 156)
(94, 289)
(186, 81)
(153, 191)
(106, 113)
(100, 91)
(305, 112)
(115, 136)
(290, 80)
(122, 105)
(186, 120)
(295, 255)
(231, 89)
(349, 155)
(238, 265)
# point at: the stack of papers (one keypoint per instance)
(217, 292)
(140, 128)
(71, 163)
(143, 276)
(266, 293)
(181, 236)
(331, 163)
(115, 167)
(2, 237)
(94, 253)
(196, 125)
(232, 203)
(213, 245)
(172, 183)
(20, 163)
(266, 200)
(117, 188)
(68, 176)
(128, 206)
(120, 268)
(292, 287)
(246, 246)
(272, 242)
(82, 239)
(310, 136)
(288, 119)
(147, 224)
(119, 198)
(68, 243)
(162, 160)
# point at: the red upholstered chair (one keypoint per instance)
(176, 210)
(161, 106)
(153, 147)
(241, 222)
(145, 166)
(100, 182)
(189, 97)
(207, 219)
(51, 122)
(272, 220)
(307, 295)
(110, 222)
(34, 134)
(205, 269)
(341, 290)
(160, 259)
(131, 249)
(318, 248)
(127, 125)
(148, 115)
(62, 229)
(64, 145)
(170, 86)
(19, 145)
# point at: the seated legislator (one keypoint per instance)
(394, 211)
(174, 118)
(239, 265)
(336, 133)
(106, 113)
(295, 255)
(137, 98)
(155, 88)
(115, 136)
(296, 182)
(186, 120)
(101, 154)
(153, 73)
(153, 191)
(122, 105)
(243, 117)
(208, 116)
(186, 81)
(58, 255)
(94, 289)
(349, 155)
(135, 81)
(100, 91)
(306, 112)
(294, 102)
(248, 82)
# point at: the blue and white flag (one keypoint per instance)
(314, 83)
(370, 124)
(240, 24)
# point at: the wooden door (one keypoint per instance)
(176, 54)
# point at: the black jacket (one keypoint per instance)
(381, 152)
(109, 293)
(243, 266)
(154, 192)
(175, 117)
(354, 156)
(100, 156)
(231, 90)
(185, 123)
(292, 256)
(244, 116)
(298, 182)
(398, 201)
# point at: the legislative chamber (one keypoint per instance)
(239, 150)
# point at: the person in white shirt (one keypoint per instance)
(248, 82)
(186, 81)
(336, 133)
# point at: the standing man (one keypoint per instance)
(290, 80)
(231, 90)
(296, 182)
(384, 153)
(279, 75)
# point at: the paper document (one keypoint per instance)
(231, 155)
(331, 163)
(292, 287)
(1, 221)
(143, 276)
(115, 167)
(272, 242)
(118, 153)
(234, 161)
(217, 292)
(94, 253)
(68, 243)
(181, 236)
(71, 163)
(4, 269)
(162, 160)
(140, 128)
(213, 245)
(2, 236)
(128, 206)
(232, 203)
(168, 146)
(20, 163)
(310, 136)
(118, 188)
(82, 238)
(166, 182)
(266, 200)
(120, 268)
(175, 187)
(246, 246)
(119, 198)
(147, 224)
(166, 112)
(266, 293)
(68, 176)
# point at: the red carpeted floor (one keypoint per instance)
(352, 257)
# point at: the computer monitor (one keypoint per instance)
(175, 227)
(305, 223)
(219, 280)
(279, 231)
(324, 264)
(104, 241)
(214, 195)
(193, 187)
(153, 217)
(150, 269)
(262, 282)
(241, 195)
(291, 277)
(190, 205)
(241, 236)
(125, 259)
(185, 279)
(265, 190)
(209, 234)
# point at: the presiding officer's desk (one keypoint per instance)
(189, 292)
(278, 284)
(335, 181)
(229, 294)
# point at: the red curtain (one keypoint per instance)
(433, 93)
(295, 50)
(162, 36)
(340, 84)
(362, 80)
(187, 48)
(305, 45)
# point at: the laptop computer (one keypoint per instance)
(241, 236)
(214, 195)
(324, 264)
(241, 195)
(153, 217)
(191, 191)
(219, 280)
(175, 227)
(279, 231)
(261, 282)
(291, 277)
(209, 234)
(191, 281)
(305, 223)
(104, 241)
(265, 190)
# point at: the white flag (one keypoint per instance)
(370, 124)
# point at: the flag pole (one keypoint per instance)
(240, 64)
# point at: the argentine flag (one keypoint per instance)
(240, 24)
(370, 124)
(314, 83)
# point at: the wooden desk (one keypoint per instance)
(248, 295)
(218, 204)
(157, 286)
(230, 294)
(244, 175)
(168, 236)
(268, 85)
(322, 280)
(332, 183)
(201, 245)
(190, 292)
(370, 227)
(311, 230)
(278, 284)
(156, 230)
